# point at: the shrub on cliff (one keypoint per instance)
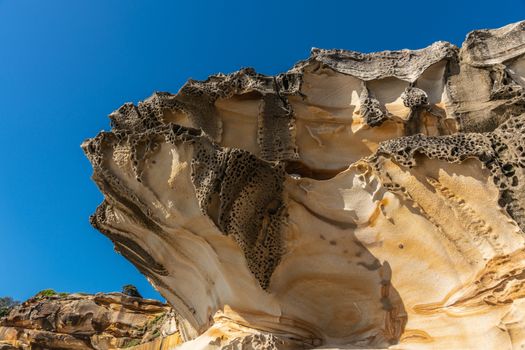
(131, 290)
(6, 304)
(49, 293)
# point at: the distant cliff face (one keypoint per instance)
(356, 201)
(101, 322)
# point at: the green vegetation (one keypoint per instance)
(131, 290)
(153, 326)
(155, 334)
(132, 342)
(49, 293)
(6, 304)
(156, 320)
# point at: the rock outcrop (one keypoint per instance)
(81, 322)
(355, 201)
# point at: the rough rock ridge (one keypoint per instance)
(355, 201)
(81, 321)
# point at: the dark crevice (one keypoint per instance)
(303, 170)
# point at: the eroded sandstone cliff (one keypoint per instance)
(82, 322)
(355, 201)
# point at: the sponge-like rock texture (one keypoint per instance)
(356, 201)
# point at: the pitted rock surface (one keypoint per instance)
(356, 201)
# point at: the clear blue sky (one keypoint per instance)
(65, 65)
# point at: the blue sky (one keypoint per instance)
(65, 65)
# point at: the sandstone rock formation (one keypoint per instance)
(355, 201)
(80, 322)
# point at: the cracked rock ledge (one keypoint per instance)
(107, 321)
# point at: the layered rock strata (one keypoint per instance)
(355, 201)
(81, 322)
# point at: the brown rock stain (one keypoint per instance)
(501, 282)
(415, 336)
(375, 214)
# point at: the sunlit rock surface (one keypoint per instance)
(355, 201)
(81, 321)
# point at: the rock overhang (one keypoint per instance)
(320, 185)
